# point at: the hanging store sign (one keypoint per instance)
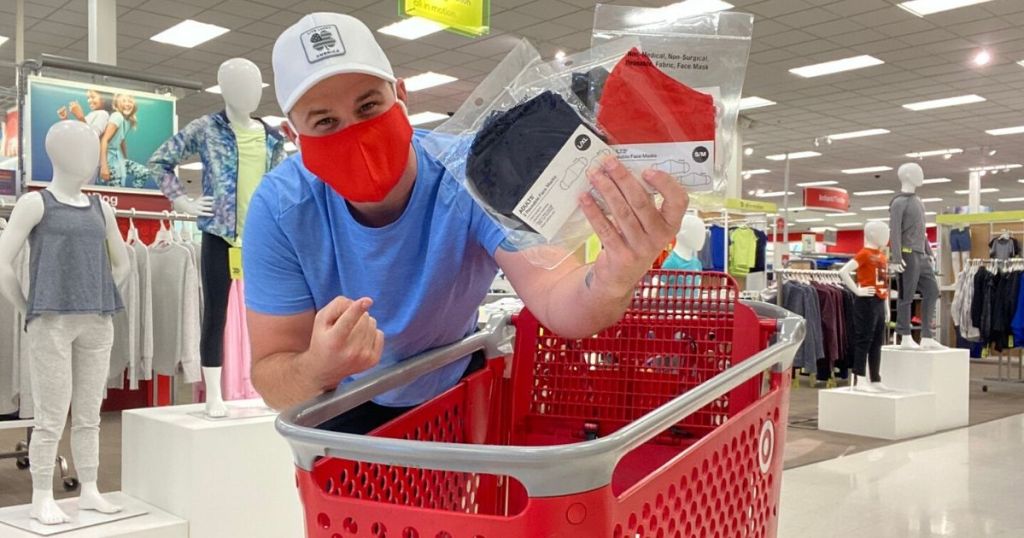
(830, 237)
(750, 205)
(827, 199)
(466, 17)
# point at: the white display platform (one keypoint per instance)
(226, 477)
(945, 372)
(137, 520)
(882, 415)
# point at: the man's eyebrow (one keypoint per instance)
(372, 93)
(316, 112)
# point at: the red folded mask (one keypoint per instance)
(642, 105)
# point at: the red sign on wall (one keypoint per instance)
(145, 201)
(827, 199)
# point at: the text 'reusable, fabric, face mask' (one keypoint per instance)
(364, 161)
(640, 104)
(515, 146)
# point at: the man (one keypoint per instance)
(364, 250)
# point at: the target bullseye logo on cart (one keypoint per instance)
(766, 446)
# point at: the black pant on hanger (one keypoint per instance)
(216, 275)
(868, 335)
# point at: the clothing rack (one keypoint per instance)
(154, 215)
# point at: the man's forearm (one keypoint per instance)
(281, 382)
(577, 307)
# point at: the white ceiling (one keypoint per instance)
(926, 58)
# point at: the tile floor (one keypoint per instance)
(965, 482)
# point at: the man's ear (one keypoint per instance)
(401, 92)
(286, 128)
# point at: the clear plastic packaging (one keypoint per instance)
(708, 54)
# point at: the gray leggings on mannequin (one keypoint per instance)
(70, 360)
(216, 287)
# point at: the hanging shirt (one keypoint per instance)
(144, 368)
(125, 351)
(1003, 248)
(175, 311)
(716, 240)
(252, 165)
(760, 263)
(873, 271)
(742, 251)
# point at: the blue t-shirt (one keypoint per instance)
(678, 263)
(427, 272)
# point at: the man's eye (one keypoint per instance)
(325, 122)
(367, 108)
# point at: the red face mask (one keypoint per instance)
(364, 161)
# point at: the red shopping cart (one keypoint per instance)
(668, 424)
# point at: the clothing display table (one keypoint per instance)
(225, 477)
(944, 372)
(136, 520)
(882, 415)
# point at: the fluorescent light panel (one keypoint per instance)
(412, 28)
(426, 117)
(935, 180)
(774, 194)
(817, 183)
(879, 219)
(678, 10)
(833, 215)
(874, 193)
(875, 208)
(994, 167)
(189, 33)
(928, 7)
(3, 39)
(931, 200)
(866, 170)
(754, 101)
(192, 166)
(942, 103)
(805, 221)
(935, 153)
(274, 121)
(859, 134)
(216, 89)
(836, 66)
(849, 224)
(1006, 131)
(426, 80)
(756, 172)
(793, 156)
(988, 190)
(1014, 199)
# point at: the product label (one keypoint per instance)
(555, 195)
(690, 163)
(235, 263)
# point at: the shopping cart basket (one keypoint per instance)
(668, 424)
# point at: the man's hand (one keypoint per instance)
(640, 230)
(345, 341)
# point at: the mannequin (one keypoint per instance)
(913, 259)
(236, 150)
(78, 258)
(866, 276)
(689, 241)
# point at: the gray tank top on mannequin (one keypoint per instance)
(69, 266)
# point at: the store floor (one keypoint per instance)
(805, 444)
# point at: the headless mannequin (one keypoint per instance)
(74, 150)
(920, 276)
(241, 85)
(876, 236)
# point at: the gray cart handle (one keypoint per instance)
(546, 471)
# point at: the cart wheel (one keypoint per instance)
(70, 484)
(22, 463)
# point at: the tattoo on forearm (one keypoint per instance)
(589, 278)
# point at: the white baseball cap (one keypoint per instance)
(322, 45)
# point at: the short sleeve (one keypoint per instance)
(117, 120)
(862, 258)
(274, 281)
(488, 233)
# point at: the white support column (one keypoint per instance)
(19, 32)
(734, 167)
(974, 194)
(103, 31)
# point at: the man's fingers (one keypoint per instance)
(609, 235)
(625, 219)
(636, 195)
(334, 309)
(349, 318)
(378, 343)
(676, 198)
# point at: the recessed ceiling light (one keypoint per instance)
(934, 153)
(875, 208)
(928, 7)
(874, 193)
(983, 57)
(792, 156)
(836, 66)
(988, 190)
(1014, 199)
(879, 219)
(858, 134)
(748, 151)
(931, 200)
(560, 55)
(991, 152)
(847, 214)
(412, 28)
(805, 221)
(1020, 63)
(993, 167)
(866, 170)
(756, 172)
(3, 39)
(216, 89)
(189, 33)
(426, 80)
(192, 166)
(775, 194)
(941, 103)
(678, 10)
(930, 213)
(817, 183)
(753, 101)
(935, 180)
(290, 147)
(849, 224)
(426, 117)
(274, 121)
(1003, 131)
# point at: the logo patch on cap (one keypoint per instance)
(322, 42)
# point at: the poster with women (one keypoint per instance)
(129, 124)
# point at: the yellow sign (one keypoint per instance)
(467, 17)
(235, 263)
(980, 218)
(750, 205)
